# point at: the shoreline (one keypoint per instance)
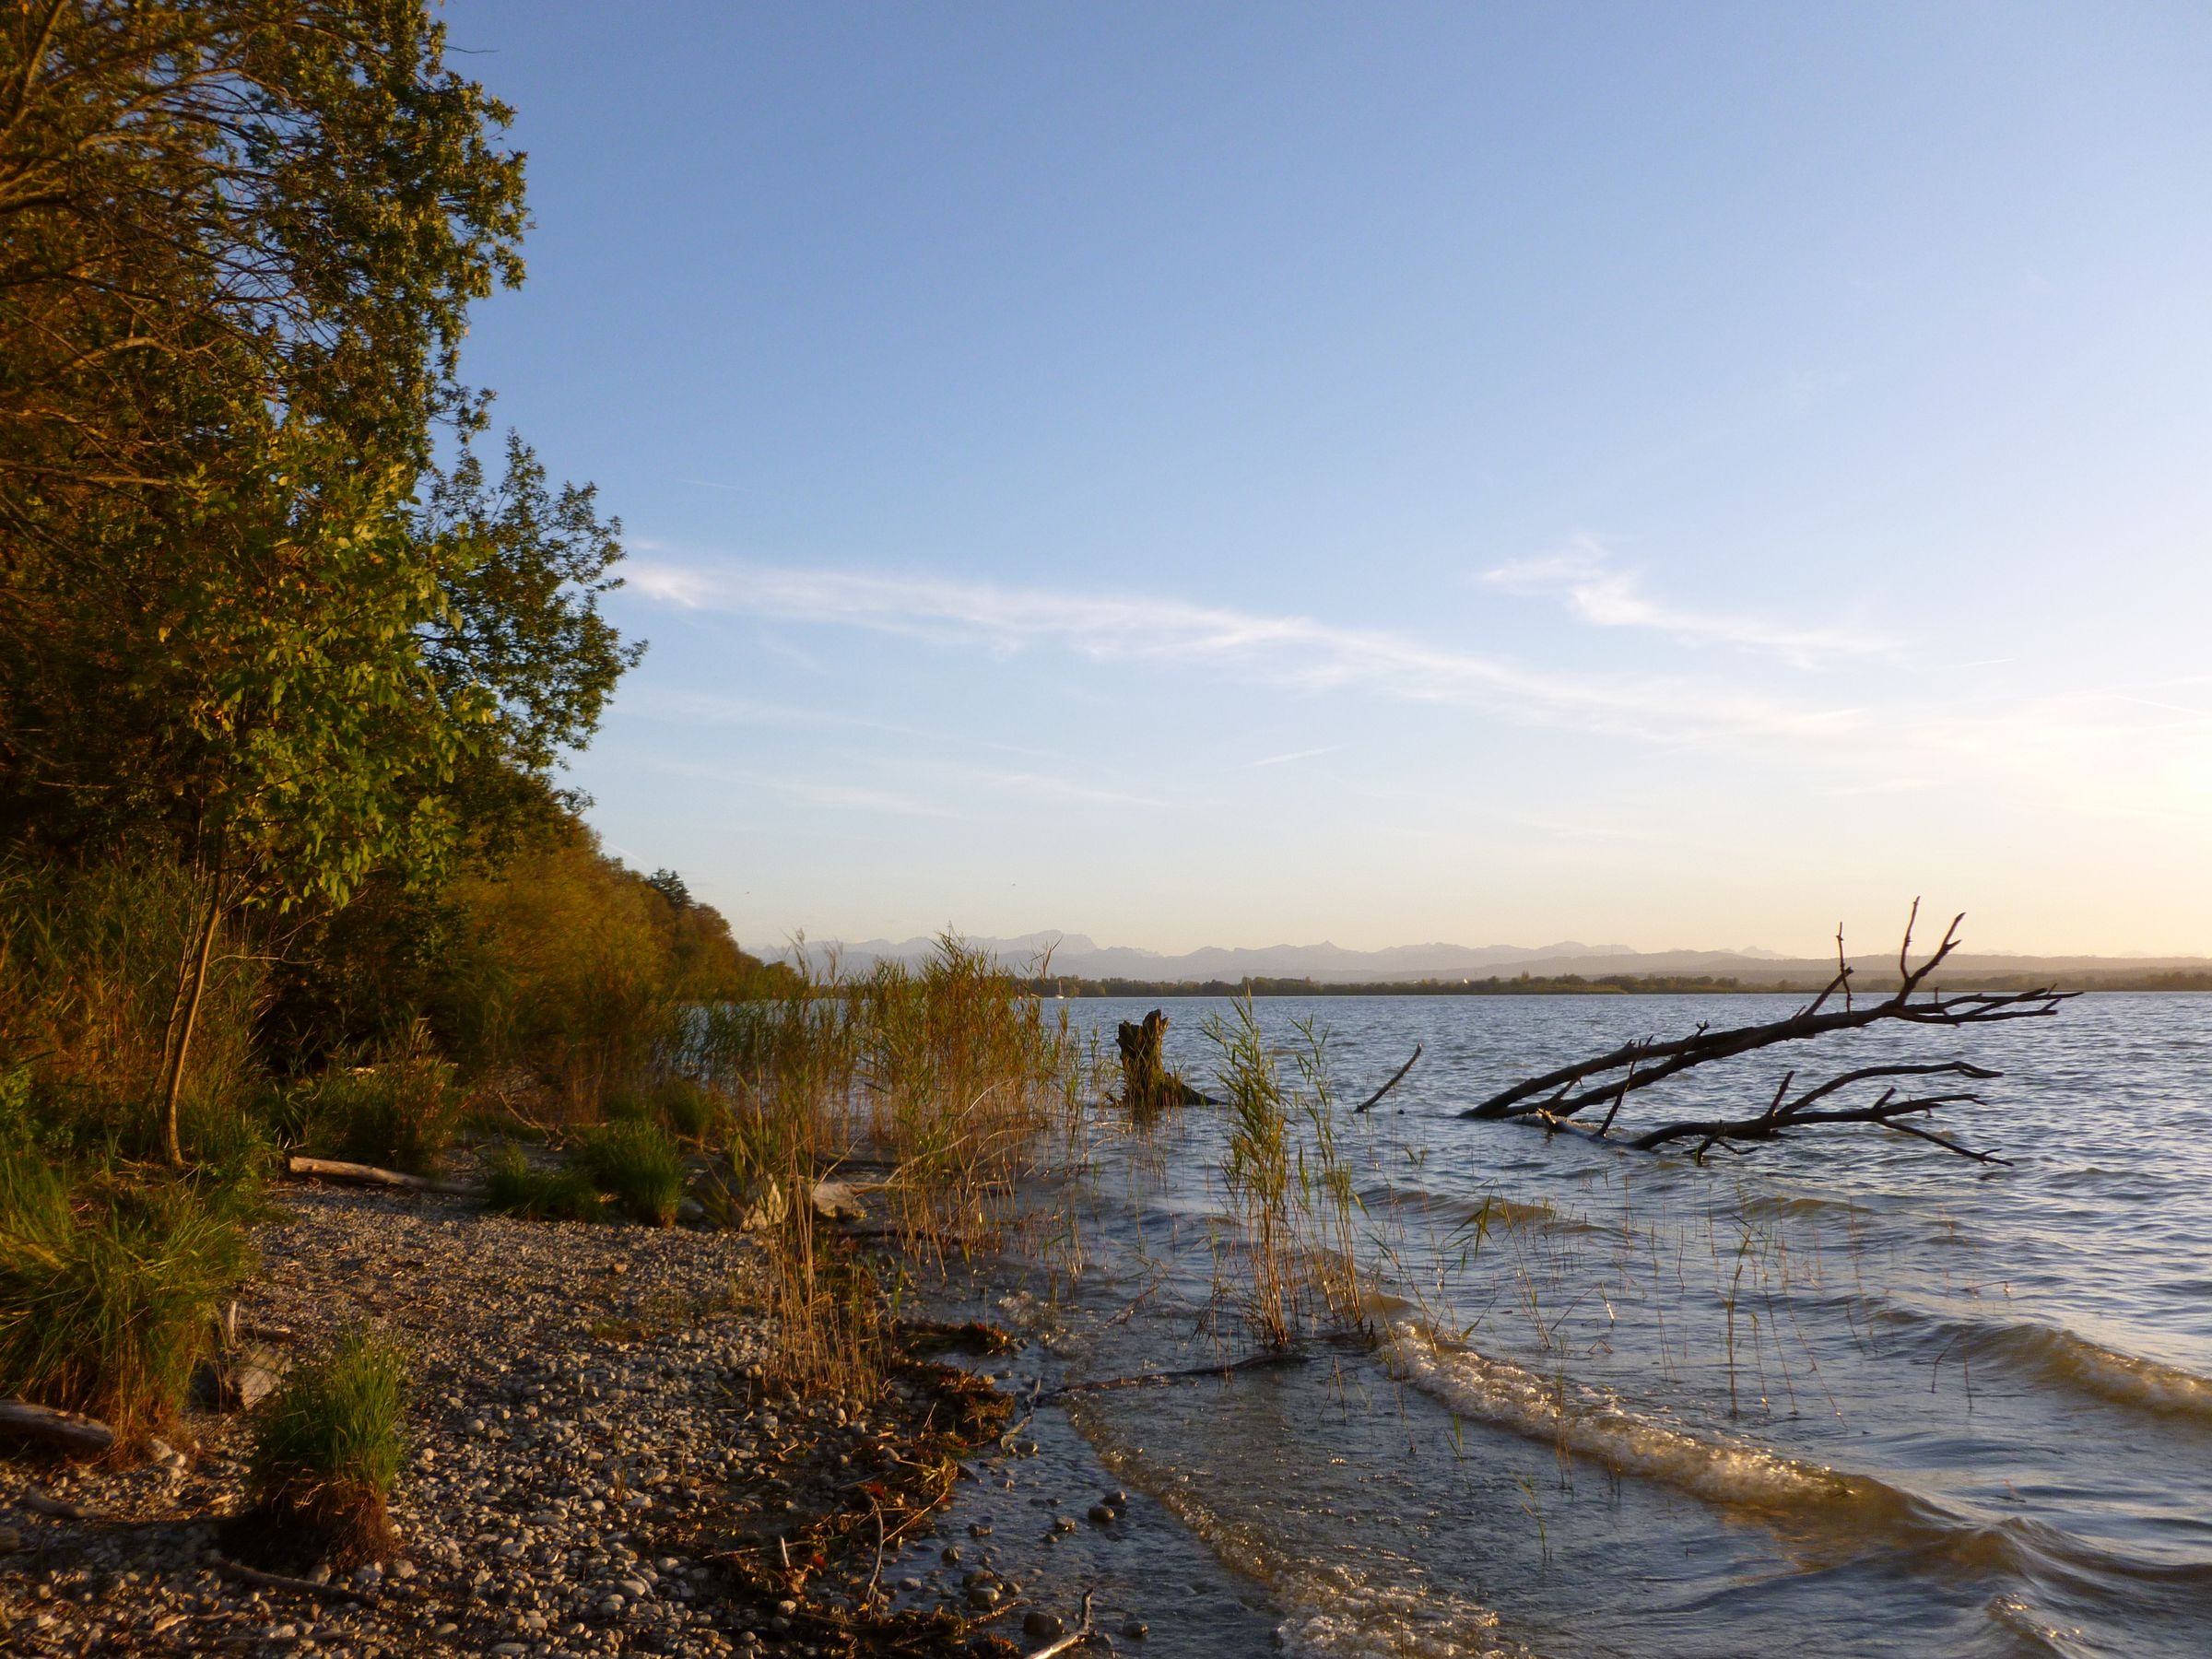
(594, 1468)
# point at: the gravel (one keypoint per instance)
(577, 1389)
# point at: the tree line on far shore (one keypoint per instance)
(1265, 985)
(1572, 985)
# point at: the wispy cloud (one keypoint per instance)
(2098, 750)
(715, 708)
(948, 789)
(807, 791)
(1043, 786)
(1306, 754)
(1583, 575)
(671, 583)
(1289, 651)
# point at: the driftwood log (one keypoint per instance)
(68, 1433)
(59, 1509)
(1557, 1099)
(358, 1174)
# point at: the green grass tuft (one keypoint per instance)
(110, 1289)
(638, 1166)
(685, 1107)
(514, 1187)
(678, 1104)
(327, 1446)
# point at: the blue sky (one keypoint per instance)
(1210, 474)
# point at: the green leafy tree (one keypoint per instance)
(299, 735)
(237, 243)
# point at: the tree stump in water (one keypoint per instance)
(1147, 1083)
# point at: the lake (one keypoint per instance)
(1849, 1394)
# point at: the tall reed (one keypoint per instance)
(1257, 1168)
(1286, 1175)
(962, 1076)
(933, 1088)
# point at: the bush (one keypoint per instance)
(638, 1166)
(327, 1446)
(400, 1114)
(512, 1187)
(568, 969)
(109, 1293)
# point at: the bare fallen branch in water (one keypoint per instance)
(1786, 1113)
(1555, 1098)
(1395, 1078)
(1557, 1094)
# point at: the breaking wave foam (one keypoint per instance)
(1595, 1425)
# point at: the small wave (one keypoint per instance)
(1340, 1614)
(2014, 1616)
(1595, 1425)
(2064, 1357)
(1465, 1217)
(2123, 1379)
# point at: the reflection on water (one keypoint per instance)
(1847, 1395)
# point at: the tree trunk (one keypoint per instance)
(193, 986)
(1147, 1083)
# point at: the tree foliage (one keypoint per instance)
(214, 213)
(245, 625)
(521, 570)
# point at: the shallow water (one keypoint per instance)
(1849, 1394)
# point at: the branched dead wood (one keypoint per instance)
(1555, 1098)
(1786, 1113)
(1560, 1093)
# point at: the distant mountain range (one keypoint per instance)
(1077, 956)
